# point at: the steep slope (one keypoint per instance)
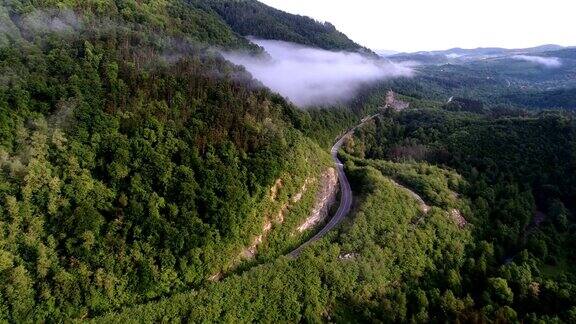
(368, 271)
(250, 17)
(135, 162)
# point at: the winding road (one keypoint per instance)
(345, 190)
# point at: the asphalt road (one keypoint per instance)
(345, 192)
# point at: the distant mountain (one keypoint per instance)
(563, 53)
(538, 77)
(491, 51)
(468, 52)
(420, 57)
(455, 55)
(253, 18)
(543, 48)
(386, 53)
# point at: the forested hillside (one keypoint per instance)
(372, 268)
(253, 18)
(135, 162)
(506, 80)
(492, 243)
(520, 183)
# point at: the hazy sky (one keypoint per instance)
(413, 25)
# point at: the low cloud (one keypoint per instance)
(63, 22)
(550, 62)
(310, 76)
(7, 27)
(52, 20)
(453, 56)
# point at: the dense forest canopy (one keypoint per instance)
(520, 185)
(253, 18)
(494, 244)
(134, 159)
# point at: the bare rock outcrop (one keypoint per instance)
(457, 217)
(348, 256)
(325, 198)
(274, 190)
(394, 103)
(216, 277)
(250, 252)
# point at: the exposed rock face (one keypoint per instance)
(297, 197)
(325, 198)
(215, 277)
(394, 103)
(274, 190)
(456, 215)
(348, 256)
(250, 252)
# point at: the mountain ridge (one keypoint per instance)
(253, 18)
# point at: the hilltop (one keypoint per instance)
(253, 18)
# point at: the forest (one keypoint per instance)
(518, 175)
(133, 164)
(495, 243)
(137, 166)
(368, 270)
(502, 80)
(253, 18)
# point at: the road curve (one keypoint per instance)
(345, 190)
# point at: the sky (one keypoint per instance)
(415, 25)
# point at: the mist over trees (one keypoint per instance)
(314, 77)
(134, 162)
